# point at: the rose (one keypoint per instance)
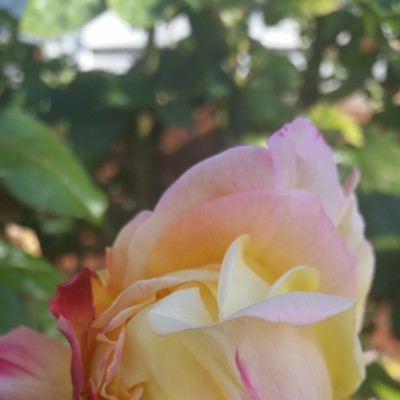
(247, 281)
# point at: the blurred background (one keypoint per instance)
(104, 103)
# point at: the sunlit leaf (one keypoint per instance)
(379, 383)
(275, 10)
(311, 8)
(330, 118)
(142, 13)
(49, 18)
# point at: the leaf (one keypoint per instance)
(26, 274)
(27, 285)
(43, 320)
(382, 212)
(40, 170)
(177, 113)
(276, 10)
(384, 8)
(13, 312)
(311, 8)
(50, 18)
(378, 162)
(264, 93)
(93, 134)
(96, 110)
(330, 118)
(143, 13)
(379, 383)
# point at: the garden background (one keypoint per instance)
(82, 150)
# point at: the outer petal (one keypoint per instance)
(33, 366)
(351, 227)
(73, 307)
(285, 229)
(302, 160)
(297, 158)
(119, 255)
(226, 173)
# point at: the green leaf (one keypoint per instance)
(330, 118)
(264, 93)
(387, 275)
(384, 8)
(379, 384)
(379, 163)
(49, 18)
(26, 274)
(143, 13)
(43, 320)
(382, 213)
(13, 312)
(275, 10)
(95, 109)
(40, 170)
(311, 8)
(27, 285)
(177, 113)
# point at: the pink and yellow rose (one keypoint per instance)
(247, 281)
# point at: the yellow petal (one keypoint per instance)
(298, 279)
(239, 284)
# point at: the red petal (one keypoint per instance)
(74, 309)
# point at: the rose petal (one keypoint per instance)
(218, 176)
(302, 160)
(351, 226)
(119, 255)
(239, 284)
(134, 295)
(33, 366)
(226, 173)
(74, 310)
(298, 279)
(292, 346)
(285, 362)
(289, 163)
(285, 229)
(74, 302)
(298, 308)
(351, 182)
(168, 369)
(183, 309)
